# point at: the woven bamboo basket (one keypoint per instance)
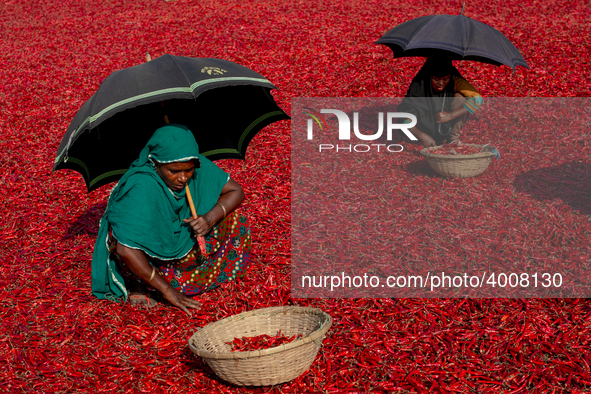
(459, 166)
(269, 366)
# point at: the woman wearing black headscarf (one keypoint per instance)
(441, 100)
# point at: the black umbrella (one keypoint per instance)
(223, 104)
(452, 36)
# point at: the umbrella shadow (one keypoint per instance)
(421, 167)
(197, 365)
(569, 182)
(87, 223)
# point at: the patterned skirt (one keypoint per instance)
(228, 245)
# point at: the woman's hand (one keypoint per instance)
(137, 261)
(230, 198)
(201, 226)
(180, 300)
(426, 140)
(443, 117)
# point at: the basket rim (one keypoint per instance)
(431, 155)
(312, 337)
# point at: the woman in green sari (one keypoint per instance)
(148, 236)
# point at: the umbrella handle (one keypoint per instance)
(190, 200)
(166, 119)
(200, 240)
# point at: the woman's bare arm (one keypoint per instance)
(231, 197)
(138, 263)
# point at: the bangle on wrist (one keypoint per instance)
(152, 276)
(223, 208)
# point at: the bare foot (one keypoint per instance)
(141, 296)
(142, 299)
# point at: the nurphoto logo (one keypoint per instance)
(344, 133)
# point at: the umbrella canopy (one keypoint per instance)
(223, 104)
(453, 36)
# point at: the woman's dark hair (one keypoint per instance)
(196, 162)
(438, 67)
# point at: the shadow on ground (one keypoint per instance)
(570, 183)
(421, 167)
(87, 223)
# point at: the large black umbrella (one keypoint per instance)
(453, 36)
(223, 104)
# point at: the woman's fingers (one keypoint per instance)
(184, 309)
(192, 221)
(175, 297)
(202, 228)
(191, 303)
(442, 117)
(186, 302)
(427, 141)
(199, 225)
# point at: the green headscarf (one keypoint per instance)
(145, 214)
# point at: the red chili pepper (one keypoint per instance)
(259, 342)
(202, 245)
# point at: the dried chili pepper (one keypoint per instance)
(455, 149)
(260, 342)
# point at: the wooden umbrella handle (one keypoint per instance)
(165, 116)
(200, 240)
(191, 204)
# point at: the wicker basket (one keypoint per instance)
(269, 366)
(459, 166)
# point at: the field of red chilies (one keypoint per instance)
(57, 337)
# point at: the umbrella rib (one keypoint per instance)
(467, 34)
(417, 31)
(253, 124)
(81, 164)
(218, 151)
(226, 79)
(244, 135)
(107, 174)
(181, 70)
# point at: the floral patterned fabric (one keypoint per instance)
(228, 245)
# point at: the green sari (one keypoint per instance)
(145, 214)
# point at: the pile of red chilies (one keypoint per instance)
(455, 149)
(260, 342)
